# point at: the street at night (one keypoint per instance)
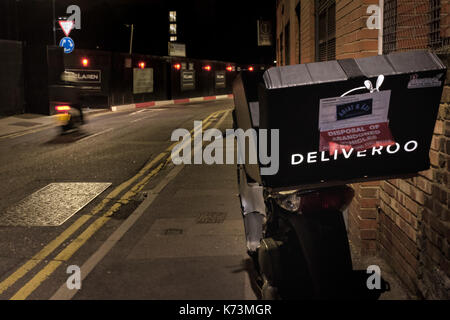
(215, 157)
(190, 229)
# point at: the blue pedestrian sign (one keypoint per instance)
(68, 44)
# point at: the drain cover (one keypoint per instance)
(52, 205)
(211, 217)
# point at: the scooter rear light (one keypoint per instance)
(336, 198)
(64, 108)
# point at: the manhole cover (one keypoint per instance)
(211, 217)
(25, 124)
(52, 205)
(173, 232)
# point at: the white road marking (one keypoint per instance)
(136, 112)
(94, 135)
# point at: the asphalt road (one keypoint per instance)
(129, 151)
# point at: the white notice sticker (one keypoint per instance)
(416, 83)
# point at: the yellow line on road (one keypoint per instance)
(67, 252)
(41, 255)
(225, 114)
(206, 123)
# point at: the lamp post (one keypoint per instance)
(54, 28)
(131, 36)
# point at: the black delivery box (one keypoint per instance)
(344, 121)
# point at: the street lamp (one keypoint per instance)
(54, 27)
(131, 36)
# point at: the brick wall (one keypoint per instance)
(286, 13)
(406, 221)
(353, 38)
(308, 49)
(414, 220)
(412, 24)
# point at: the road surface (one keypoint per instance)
(151, 230)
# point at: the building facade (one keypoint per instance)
(405, 221)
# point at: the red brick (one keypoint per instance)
(370, 234)
(446, 95)
(424, 185)
(367, 224)
(368, 213)
(369, 203)
(439, 127)
(427, 174)
(412, 206)
(389, 189)
(372, 192)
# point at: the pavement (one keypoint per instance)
(180, 251)
(398, 290)
(159, 231)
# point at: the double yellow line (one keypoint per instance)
(79, 241)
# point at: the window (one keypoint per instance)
(173, 28)
(281, 49)
(389, 26)
(278, 49)
(287, 40)
(299, 38)
(172, 16)
(439, 37)
(325, 30)
(427, 23)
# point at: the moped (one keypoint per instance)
(69, 119)
(297, 239)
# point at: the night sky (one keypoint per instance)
(218, 30)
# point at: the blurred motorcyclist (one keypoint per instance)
(74, 95)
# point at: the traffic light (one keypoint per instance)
(177, 66)
(207, 68)
(250, 68)
(85, 62)
(229, 68)
(142, 65)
